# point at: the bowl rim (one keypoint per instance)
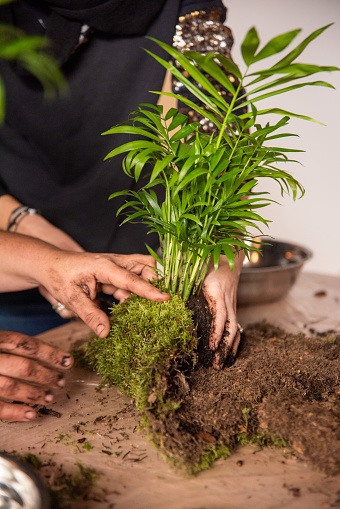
(293, 265)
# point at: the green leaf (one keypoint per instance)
(139, 131)
(184, 131)
(172, 112)
(131, 217)
(192, 217)
(21, 46)
(118, 193)
(155, 255)
(2, 101)
(277, 44)
(193, 106)
(178, 120)
(192, 176)
(216, 254)
(230, 255)
(132, 145)
(228, 64)
(191, 70)
(279, 111)
(207, 63)
(287, 89)
(294, 70)
(187, 83)
(288, 59)
(249, 46)
(160, 165)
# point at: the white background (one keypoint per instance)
(314, 220)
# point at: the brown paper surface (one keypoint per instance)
(132, 474)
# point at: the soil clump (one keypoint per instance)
(281, 390)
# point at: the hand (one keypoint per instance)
(220, 291)
(37, 226)
(75, 278)
(29, 370)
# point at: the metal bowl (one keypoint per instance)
(20, 486)
(269, 276)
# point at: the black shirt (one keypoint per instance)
(52, 151)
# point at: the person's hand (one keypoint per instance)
(74, 279)
(220, 291)
(30, 370)
(39, 227)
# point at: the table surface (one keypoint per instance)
(131, 472)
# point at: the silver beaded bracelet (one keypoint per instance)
(18, 214)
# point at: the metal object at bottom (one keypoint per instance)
(268, 277)
(20, 486)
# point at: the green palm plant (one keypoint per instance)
(211, 204)
(31, 52)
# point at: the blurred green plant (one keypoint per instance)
(211, 204)
(31, 53)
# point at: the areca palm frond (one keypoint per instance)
(211, 204)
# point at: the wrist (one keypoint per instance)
(18, 215)
(7, 205)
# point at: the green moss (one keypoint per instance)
(210, 455)
(29, 458)
(80, 358)
(87, 446)
(262, 439)
(145, 339)
(69, 487)
(332, 339)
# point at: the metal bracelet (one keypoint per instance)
(18, 214)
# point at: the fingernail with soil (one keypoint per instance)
(30, 414)
(61, 380)
(66, 361)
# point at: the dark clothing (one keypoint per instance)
(52, 151)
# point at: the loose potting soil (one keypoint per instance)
(281, 390)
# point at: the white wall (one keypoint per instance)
(314, 220)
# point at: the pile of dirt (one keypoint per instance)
(282, 389)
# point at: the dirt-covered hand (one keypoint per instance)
(29, 371)
(220, 291)
(39, 227)
(74, 279)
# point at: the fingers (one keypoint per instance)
(92, 315)
(30, 371)
(121, 295)
(226, 349)
(128, 280)
(12, 389)
(64, 312)
(11, 412)
(142, 265)
(34, 348)
(218, 319)
(229, 341)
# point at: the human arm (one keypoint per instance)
(30, 370)
(74, 278)
(35, 226)
(220, 291)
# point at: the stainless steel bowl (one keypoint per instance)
(268, 277)
(20, 486)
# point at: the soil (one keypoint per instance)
(281, 389)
